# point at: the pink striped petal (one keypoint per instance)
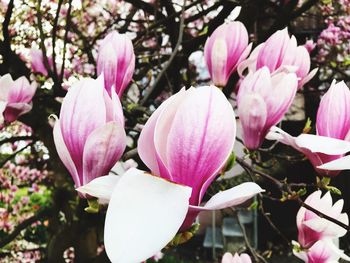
(83, 110)
(200, 139)
(64, 154)
(102, 150)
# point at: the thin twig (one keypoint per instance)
(286, 188)
(15, 153)
(66, 39)
(16, 138)
(257, 257)
(173, 55)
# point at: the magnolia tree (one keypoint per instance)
(118, 118)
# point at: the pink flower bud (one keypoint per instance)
(116, 60)
(333, 115)
(262, 101)
(242, 258)
(310, 45)
(15, 97)
(89, 136)
(224, 50)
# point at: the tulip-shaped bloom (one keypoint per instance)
(333, 115)
(185, 143)
(312, 228)
(279, 52)
(15, 97)
(116, 60)
(242, 258)
(323, 251)
(320, 150)
(89, 136)
(262, 101)
(224, 50)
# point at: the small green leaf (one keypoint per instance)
(93, 207)
(307, 127)
(230, 162)
(333, 190)
(253, 206)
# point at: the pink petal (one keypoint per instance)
(83, 110)
(253, 115)
(64, 154)
(200, 139)
(103, 148)
(146, 143)
(6, 84)
(14, 110)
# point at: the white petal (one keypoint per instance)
(235, 13)
(101, 188)
(321, 144)
(339, 164)
(231, 197)
(144, 214)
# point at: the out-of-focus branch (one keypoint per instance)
(44, 213)
(5, 25)
(68, 23)
(16, 138)
(15, 153)
(171, 59)
(54, 32)
(42, 43)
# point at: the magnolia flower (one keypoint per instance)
(116, 59)
(185, 143)
(312, 228)
(318, 149)
(243, 258)
(310, 45)
(262, 101)
(225, 49)
(37, 61)
(323, 251)
(280, 52)
(333, 118)
(15, 97)
(89, 136)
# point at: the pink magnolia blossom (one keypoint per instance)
(224, 50)
(280, 52)
(15, 97)
(310, 45)
(242, 258)
(333, 115)
(37, 61)
(185, 143)
(89, 136)
(323, 251)
(320, 150)
(331, 141)
(262, 101)
(116, 59)
(312, 228)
